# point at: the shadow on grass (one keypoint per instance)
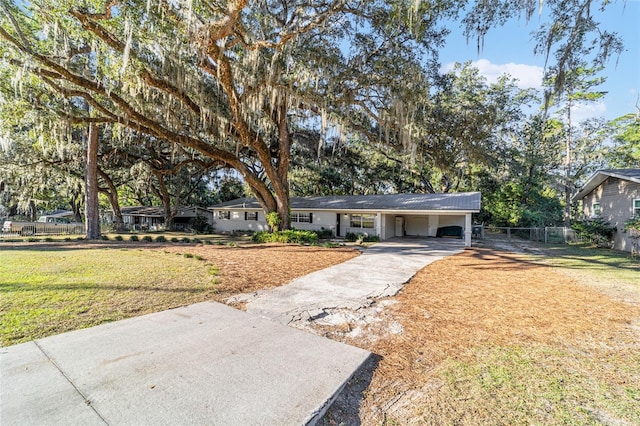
(580, 257)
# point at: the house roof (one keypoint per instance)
(600, 176)
(142, 211)
(156, 211)
(462, 201)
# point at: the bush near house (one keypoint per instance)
(632, 227)
(361, 238)
(597, 231)
(293, 236)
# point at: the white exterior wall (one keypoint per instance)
(417, 225)
(236, 222)
(389, 226)
(319, 219)
(446, 220)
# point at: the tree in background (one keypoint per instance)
(625, 151)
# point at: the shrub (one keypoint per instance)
(201, 225)
(324, 234)
(632, 227)
(161, 239)
(175, 240)
(597, 231)
(118, 238)
(196, 241)
(49, 240)
(33, 239)
(273, 220)
(147, 239)
(104, 237)
(293, 236)
(188, 255)
(185, 240)
(134, 238)
(351, 237)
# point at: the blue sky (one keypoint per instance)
(509, 49)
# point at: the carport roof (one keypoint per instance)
(461, 201)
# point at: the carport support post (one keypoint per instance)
(467, 230)
(379, 225)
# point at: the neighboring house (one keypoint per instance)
(152, 218)
(393, 215)
(613, 195)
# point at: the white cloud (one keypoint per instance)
(528, 76)
(582, 112)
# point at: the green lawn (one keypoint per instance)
(52, 290)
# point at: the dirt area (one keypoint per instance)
(461, 310)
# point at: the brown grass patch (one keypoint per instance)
(492, 338)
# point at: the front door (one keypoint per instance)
(337, 224)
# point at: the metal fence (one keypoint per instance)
(547, 235)
(44, 229)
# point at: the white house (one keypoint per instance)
(613, 195)
(387, 216)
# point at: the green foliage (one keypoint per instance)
(201, 225)
(175, 240)
(273, 220)
(161, 239)
(597, 231)
(324, 234)
(185, 240)
(118, 238)
(351, 237)
(104, 237)
(134, 238)
(632, 227)
(361, 238)
(289, 236)
(147, 239)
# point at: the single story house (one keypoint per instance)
(152, 218)
(613, 195)
(387, 216)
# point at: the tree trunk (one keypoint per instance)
(567, 175)
(163, 194)
(112, 195)
(92, 213)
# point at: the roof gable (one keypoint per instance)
(600, 176)
(463, 201)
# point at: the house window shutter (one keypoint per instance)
(245, 215)
(310, 217)
(257, 213)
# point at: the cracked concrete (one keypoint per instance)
(336, 294)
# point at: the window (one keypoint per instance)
(250, 215)
(366, 221)
(223, 214)
(595, 210)
(636, 208)
(301, 218)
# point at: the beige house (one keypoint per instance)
(385, 216)
(613, 195)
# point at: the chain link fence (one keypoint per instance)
(547, 235)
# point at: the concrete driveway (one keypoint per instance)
(380, 271)
(208, 363)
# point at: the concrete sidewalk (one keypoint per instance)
(202, 364)
(380, 271)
